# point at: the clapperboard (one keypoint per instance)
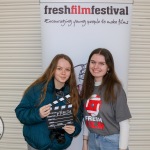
(60, 115)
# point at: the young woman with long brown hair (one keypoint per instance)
(106, 113)
(35, 106)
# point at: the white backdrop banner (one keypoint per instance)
(76, 28)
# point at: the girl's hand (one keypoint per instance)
(69, 128)
(44, 111)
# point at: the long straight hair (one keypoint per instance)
(109, 80)
(49, 74)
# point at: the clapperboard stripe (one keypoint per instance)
(62, 107)
(67, 96)
(60, 115)
(60, 99)
(66, 117)
(58, 121)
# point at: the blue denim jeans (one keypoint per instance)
(98, 142)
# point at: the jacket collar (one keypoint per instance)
(51, 87)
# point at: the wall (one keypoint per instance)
(20, 64)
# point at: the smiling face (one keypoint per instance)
(98, 67)
(62, 73)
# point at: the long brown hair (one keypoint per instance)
(49, 74)
(109, 80)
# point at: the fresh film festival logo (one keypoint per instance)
(77, 9)
(1, 127)
(97, 13)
